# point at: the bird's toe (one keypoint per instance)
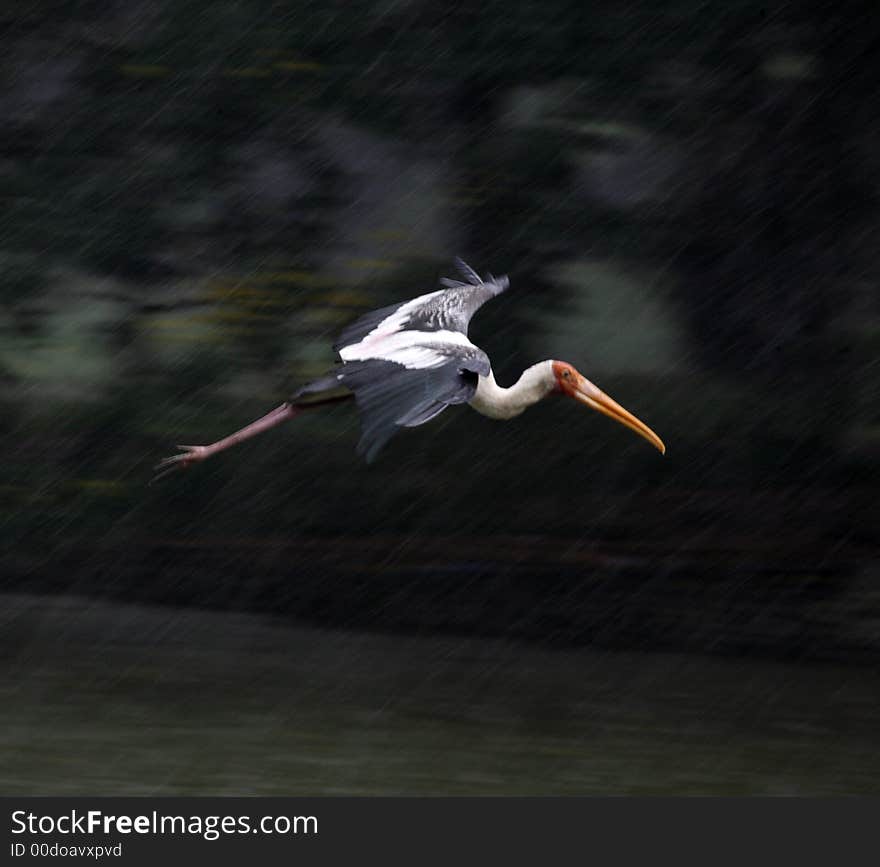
(189, 455)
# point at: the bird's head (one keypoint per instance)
(571, 383)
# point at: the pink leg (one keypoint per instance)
(194, 454)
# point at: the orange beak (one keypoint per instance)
(584, 391)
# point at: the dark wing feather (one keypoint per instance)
(450, 309)
(414, 419)
(360, 328)
(390, 396)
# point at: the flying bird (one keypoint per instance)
(406, 363)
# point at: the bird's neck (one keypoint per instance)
(494, 401)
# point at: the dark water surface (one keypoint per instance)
(101, 698)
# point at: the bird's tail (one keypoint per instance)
(327, 389)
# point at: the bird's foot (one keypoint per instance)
(189, 455)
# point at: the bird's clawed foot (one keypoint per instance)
(189, 455)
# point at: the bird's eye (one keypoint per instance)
(566, 374)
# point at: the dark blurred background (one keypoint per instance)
(197, 196)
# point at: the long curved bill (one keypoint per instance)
(595, 398)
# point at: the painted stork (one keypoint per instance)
(406, 363)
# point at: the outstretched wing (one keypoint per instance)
(410, 385)
(448, 309)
